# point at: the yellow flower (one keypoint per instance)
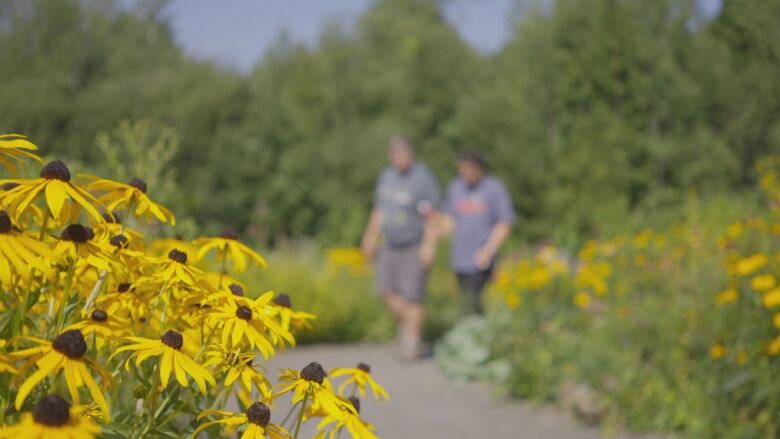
(108, 327)
(582, 299)
(312, 384)
(172, 360)
(239, 367)
(772, 298)
(717, 351)
(76, 244)
(52, 418)
(54, 183)
(65, 353)
(245, 321)
(357, 428)
(360, 377)
(256, 422)
(773, 348)
(15, 147)
(290, 318)
(750, 264)
(726, 296)
(20, 254)
(228, 246)
(122, 196)
(763, 282)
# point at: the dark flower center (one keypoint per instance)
(236, 289)
(283, 299)
(9, 186)
(75, 233)
(99, 315)
(138, 184)
(258, 413)
(71, 344)
(51, 410)
(111, 218)
(244, 313)
(355, 403)
(313, 372)
(5, 222)
(173, 339)
(120, 241)
(229, 233)
(123, 287)
(178, 256)
(90, 233)
(55, 170)
(364, 367)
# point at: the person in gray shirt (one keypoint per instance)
(478, 210)
(405, 204)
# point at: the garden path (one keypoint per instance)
(424, 404)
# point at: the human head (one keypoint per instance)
(471, 167)
(400, 153)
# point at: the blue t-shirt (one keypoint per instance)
(405, 199)
(476, 210)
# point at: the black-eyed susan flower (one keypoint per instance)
(76, 245)
(16, 148)
(131, 196)
(174, 269)
(172, 360)
(125, 301)
(20, 254)
(360, 377)
(65, 353)
(54, 184)
(255, 421)
(246, 322)
(52, 418)
(312, 385)
(289, 318)
(99, 322)
(239, 367)
(229, 247)
(332, 427)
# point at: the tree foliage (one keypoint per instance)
(595, 111)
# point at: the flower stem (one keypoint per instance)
(300, 415)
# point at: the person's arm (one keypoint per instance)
(372, 233)
(427, 251)
(500, 232)
(505, 216)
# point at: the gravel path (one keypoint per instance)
(423, 404)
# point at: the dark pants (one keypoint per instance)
(471, 286)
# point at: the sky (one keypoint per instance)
(236, 33)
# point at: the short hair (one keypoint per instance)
(399, 140)
(473, 156)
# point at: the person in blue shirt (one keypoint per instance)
(478, 212)
(401, 239)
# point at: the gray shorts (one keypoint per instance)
(399, 270)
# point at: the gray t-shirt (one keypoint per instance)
(476, 210)
(405, 199)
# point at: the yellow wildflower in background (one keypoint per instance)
(763, 282)
(772, 298)
(717, 351)
(773, 348)
(582, 299)
(726, 296)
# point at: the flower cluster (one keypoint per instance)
(103, 332)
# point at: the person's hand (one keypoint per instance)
(426, 253)
(483, 257)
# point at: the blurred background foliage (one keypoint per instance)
(600, 114)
